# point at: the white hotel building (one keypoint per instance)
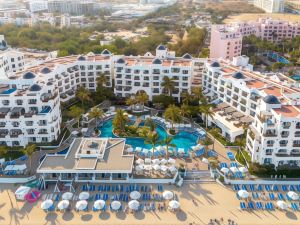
(269, 103)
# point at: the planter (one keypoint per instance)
(172, 132)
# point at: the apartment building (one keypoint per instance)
(146, 73)
(268, 104)
(270, 6)
(226, 40)
(72, 7)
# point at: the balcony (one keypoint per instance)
(296, 144)
(270, 135)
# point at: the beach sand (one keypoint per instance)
(211, 201)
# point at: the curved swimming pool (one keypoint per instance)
(182, 140)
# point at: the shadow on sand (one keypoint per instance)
(68, 216)
(86, 217)
(181, 215)
(104, 216)
(121, 215)
(291, 215)
(139, 215)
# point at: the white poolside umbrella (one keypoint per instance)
(63, 204)
(67, 196)
(46, 204)
(139, 168)
(156, 167)
(164, 168)
(99, 204)
(139, 161)
(171, 161)
(147, 161)
(180, 150)
(174, 204)
(205, 160)
(168, 195)
(129, 150)
(75, 132)
(135, 195)
(148, 167)
(243, 169)
(81, 205)
(172, 169)
(115, 205)
(138, 149)
(134, 204)
(282, 205)
(163, 161)
(243, 193)
(234, 169)
(293, 195)
(155, 161)
(84, 196)
(159, 148)
(145, 150)
(225, 170)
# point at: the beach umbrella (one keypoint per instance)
(172, 169)
(243, 193)
(174, 204)
(139, 168)
(293, 195)
(205, 160)
(180, 150)
(145, 151)
(147, 161)
(164, 168)
(171, 161)
(159, 148)
(168, 195)
(156, 167)
(243, 169)
(139, 161)
(163, 161)
(115, 205)
(129, 150)
(67, 196)
(135, 195)
(134, 204)
(155, 161)
(84, 196)
(46, 204)
(138, 149)
(282, 205)
(148, 167)
(81, 205)
(225, 170)
(63, 204)
(99, 204)
(234, 169)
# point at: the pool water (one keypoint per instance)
(182, 140)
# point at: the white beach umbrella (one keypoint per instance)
(75, 132)
(163, 161)
(129, 150)
(156, 167)
(174, 204)
(63, 204)
(159, 148)
(282, 205)
(243, 169)
(171, 161)
(168, 195)
(46, 204)
(234, 169)
(164, 168)
(135, 195)
(293, 195)
(155, 161)
(180, 150)
(225, 170)
(147, 161)
(67, 196)
(99, 204)
(84, 196)
(139, 168)
(145, 150)
(134, 204)
(138, 149)
(81, 205)
(172, 169)
(115, 205)
(140, 161)
(148, 167)
(243, 193)
(205, 160)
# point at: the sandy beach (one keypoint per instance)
(211, 201)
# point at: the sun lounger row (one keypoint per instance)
(256, 205)
(268, 188)
(116, 188)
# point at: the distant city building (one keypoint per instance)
(38, 5)
(72, 7)
(270, 6)
(226, 40)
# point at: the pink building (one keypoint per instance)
(226, 40)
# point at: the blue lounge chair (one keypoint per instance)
(230, 155)
(280, 196)
(272, 196)
(298, 187)
(236, 187)
(243, 205)
(284, 188)
(252, 187)
(244, 187)
(268, 187)
(292, 188)
(275, 188)
(288, 197)
(259, 187)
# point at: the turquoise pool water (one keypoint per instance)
(181, 140)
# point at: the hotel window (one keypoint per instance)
(146, 72)
(175, 70)
(269, 151)
(99, 67)
(90, 67)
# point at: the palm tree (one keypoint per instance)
(206, 110)
(28, 151)
(3, 150)
(198, 94)
(172, 113)
(152, 139)
(130, 102)
(101, 80)
(168, 143)
(151, 124)
(83, 95)
(120, 120)
(75, 112)
(168, 84)
(96, 114)
(142, 98)
(185, 110)
(187, 97)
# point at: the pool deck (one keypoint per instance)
(210, 201)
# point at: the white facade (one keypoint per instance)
(38, 5)
(270, 6)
